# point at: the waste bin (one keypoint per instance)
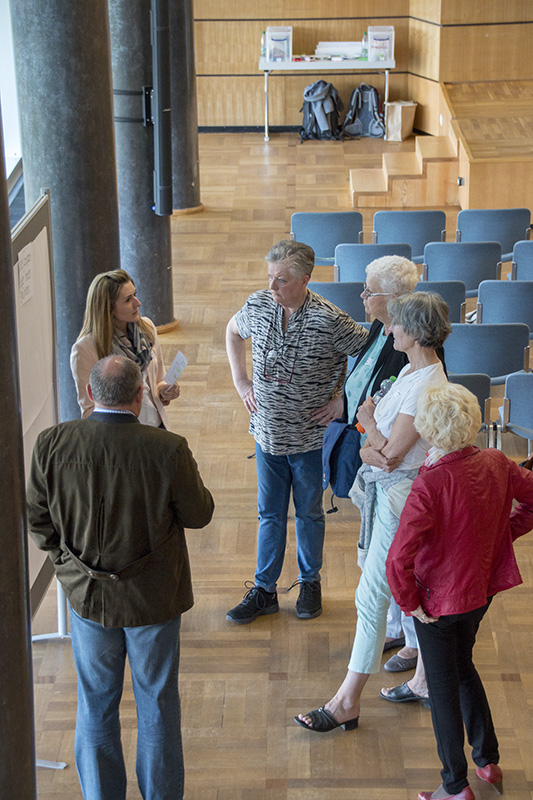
(400, 119)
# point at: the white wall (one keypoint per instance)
(8, 92)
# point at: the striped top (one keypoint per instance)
(298, 371)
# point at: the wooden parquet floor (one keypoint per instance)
(241, 685)
(495, 118)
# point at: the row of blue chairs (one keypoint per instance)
(498, 301)
(347, 296)
(472, 262)
(516, 413)
(495, 349)
(323, 231)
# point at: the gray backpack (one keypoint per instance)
(365, 113)
(321, 109)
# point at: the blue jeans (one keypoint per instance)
(276, 475)
(100, 655)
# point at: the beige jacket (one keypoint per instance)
(83, 357)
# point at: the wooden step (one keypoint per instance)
(435, 148)
(404, 165)
(367, 181)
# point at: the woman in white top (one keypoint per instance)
(392, 454)
(112, 324)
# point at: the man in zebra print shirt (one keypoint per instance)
(300, 344)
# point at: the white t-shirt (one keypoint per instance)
(402, 398)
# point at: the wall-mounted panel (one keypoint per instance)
(485, 53)
(298, 9)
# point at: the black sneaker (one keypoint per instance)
(256, 601)
(309, 603)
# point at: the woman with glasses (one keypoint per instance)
(112, 324)
(387, 277)
(392, 455)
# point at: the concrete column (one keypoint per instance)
(144, 236)
(64, 87)
(17, 745)
(185, 164)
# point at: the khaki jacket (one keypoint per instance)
(108, 499)
(83, 357)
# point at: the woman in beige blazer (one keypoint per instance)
(112, 324)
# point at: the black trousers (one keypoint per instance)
(457, 695)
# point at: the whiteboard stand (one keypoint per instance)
(62, 615)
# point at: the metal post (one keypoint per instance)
(144, 236)
(266, 105)
(185, 162)
(17, 745)
(64, 86)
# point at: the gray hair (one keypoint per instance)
(300, 257)
(448, 416)
(115, 381)
(395, 274)
(422, 315)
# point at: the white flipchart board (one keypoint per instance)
(36, 334)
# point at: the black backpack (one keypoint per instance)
(321, 108)
(365, 113)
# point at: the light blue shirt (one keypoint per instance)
(360, 376)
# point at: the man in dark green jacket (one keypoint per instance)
(108, 499)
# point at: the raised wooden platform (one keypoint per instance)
(493, 122)
(484, 160)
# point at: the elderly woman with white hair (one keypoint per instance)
(453, 551)
(392, 455)
(386, 277)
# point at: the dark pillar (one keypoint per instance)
(185, 165)
(64, 88)
(17, 746)
(144, 236)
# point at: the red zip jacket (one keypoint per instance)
(454, 545)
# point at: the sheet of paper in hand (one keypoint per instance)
(176, 368)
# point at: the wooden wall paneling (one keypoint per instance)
(227, 100)
(463, 170)
(238, 101)
(425, 92)
(500, 184)
(428, 10)
(298, 9)
(455, 12)
(424, 49)
(485, 53)
(233, 48)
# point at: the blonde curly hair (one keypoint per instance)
(448, 416)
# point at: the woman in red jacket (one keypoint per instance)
(452, 553)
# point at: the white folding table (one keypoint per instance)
(324, 65)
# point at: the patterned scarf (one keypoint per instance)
(133, 344)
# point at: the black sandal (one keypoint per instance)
(323, 721)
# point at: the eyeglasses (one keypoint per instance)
(273, 363)
(368, 293)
